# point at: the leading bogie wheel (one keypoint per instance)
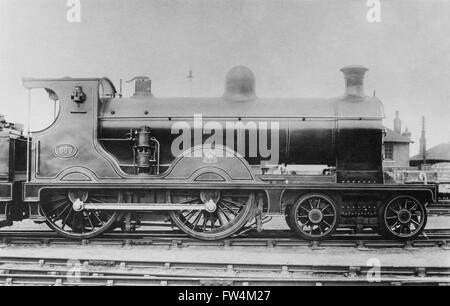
(66, 215)
(403, 217)
(314, 216)
(227, 212)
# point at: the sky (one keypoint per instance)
(295, 49)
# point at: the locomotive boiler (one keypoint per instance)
(303, 131)
(207, 164)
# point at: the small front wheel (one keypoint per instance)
(403, 217)
(314, 216)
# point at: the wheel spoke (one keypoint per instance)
(415, 222)
(205, 220)
(325, 207)
(66, 219)
(89, 219)
(56, 200)
(224, 213)
(74, 221)
(58, 206)
(62, 212)
(197, 219)
(233, 203)
(229, 209)
(196, 214)
(326, 223)
(320, 229)
(220, 218)
(304, 208)
(395, 224)
(395, 211)
(97, 217)
(213, 221)
(189, 215)
(407, 228)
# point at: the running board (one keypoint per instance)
(142, 206)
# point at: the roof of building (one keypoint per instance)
(393, 136)
(440, 152)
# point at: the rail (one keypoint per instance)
(60, 271)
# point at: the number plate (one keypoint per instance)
(66, 150)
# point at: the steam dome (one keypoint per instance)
(239, 84)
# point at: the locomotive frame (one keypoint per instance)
(73, 181)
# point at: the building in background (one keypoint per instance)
(399, 168)
(434, 156)
(396, 146)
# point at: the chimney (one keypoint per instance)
(397, 123)
(354, 80)
(407, 133)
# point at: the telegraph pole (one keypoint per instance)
(423, 143)
(190, 77)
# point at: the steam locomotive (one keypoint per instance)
(208, 165)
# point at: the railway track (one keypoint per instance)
(63, 271)
(268, 238)
(60, 271)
